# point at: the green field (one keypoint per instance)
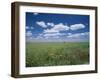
(56, 53)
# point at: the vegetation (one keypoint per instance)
(56, 53)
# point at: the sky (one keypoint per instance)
(50, 27)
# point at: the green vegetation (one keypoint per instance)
(56, 53)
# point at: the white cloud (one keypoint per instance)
(50, 24)
(27, 27)
(53, 34)
(42, 24)
(51, 37)
(28, 33)
(35, 13)
(85, 33)
(74, 35)
(77, 35)
(39, 37)
(57, 28)
(77, 26)
(32, 28)
(69, 33)
(61, 27)
(50, 31)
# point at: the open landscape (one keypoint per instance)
(54, 39)
(56, 53)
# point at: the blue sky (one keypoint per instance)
(49, 27)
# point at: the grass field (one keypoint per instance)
(56, 53)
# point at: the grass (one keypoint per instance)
(56, 53)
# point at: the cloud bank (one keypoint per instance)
(58, 31)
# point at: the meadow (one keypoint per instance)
(56, 53)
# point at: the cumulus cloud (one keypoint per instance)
(74, 35)
(57, 28)
(61, 27)
(42, 24)
(28, 33)
(50, 31)
(77, 35)
(77, 26)
(52, 34)
(31, 27)
(51, 37)
(50, 24)
(55, 35)
(27, 27)
(85, 33)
